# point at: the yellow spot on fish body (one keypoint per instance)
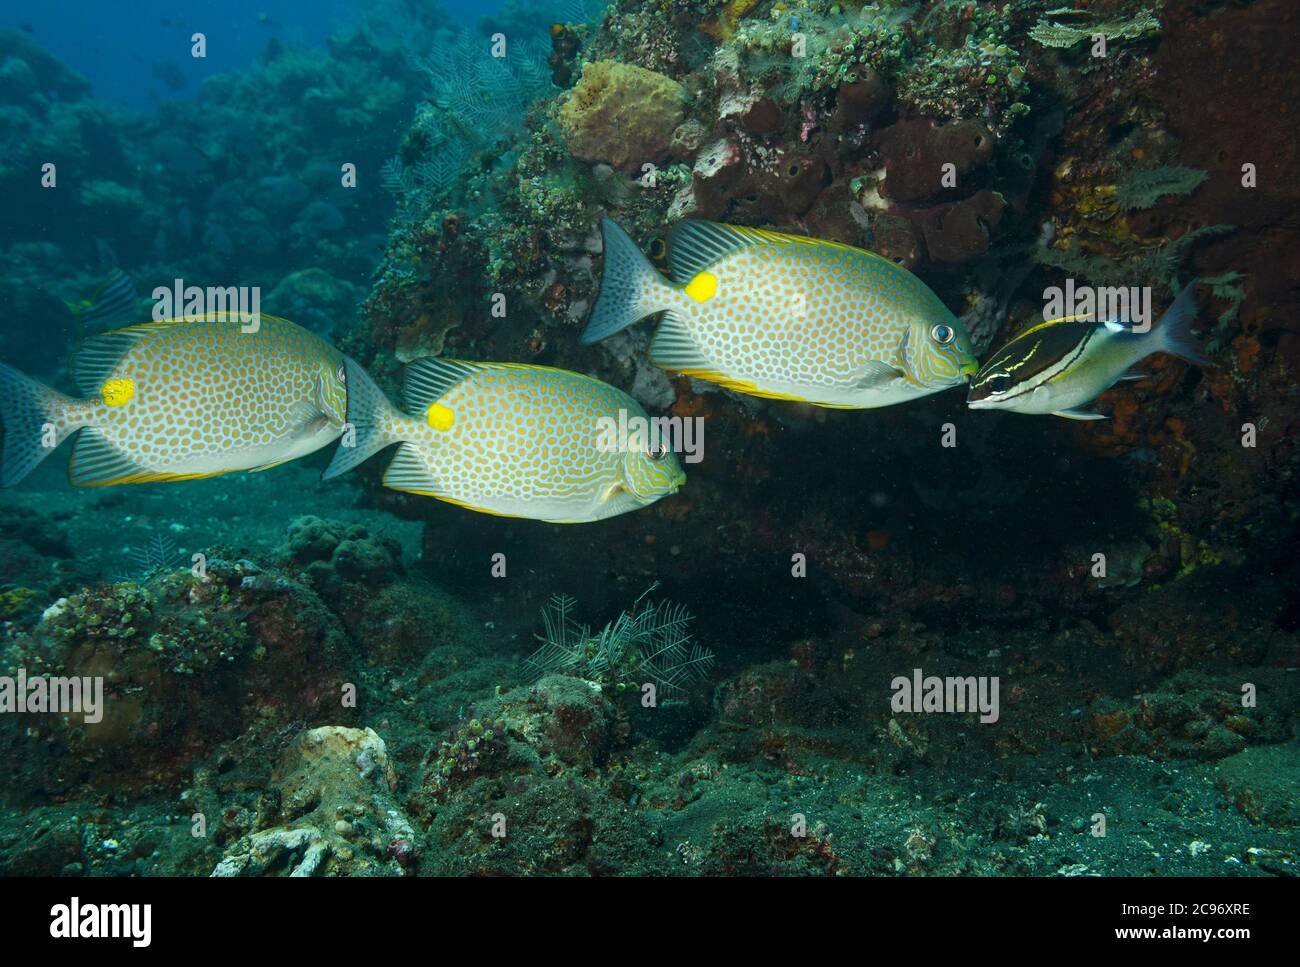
(439, 417)
(703, 287)
(118, 392)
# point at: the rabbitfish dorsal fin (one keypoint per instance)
(431, 378)
(96, 358)
(694, 245)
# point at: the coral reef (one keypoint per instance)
(335, 812)
(231, 187)
(188, 663)
(621, 114)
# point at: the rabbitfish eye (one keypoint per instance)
(942, 334)
(999, 383)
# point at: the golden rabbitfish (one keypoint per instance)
(179, 399)
(784, 316)
(507, 439)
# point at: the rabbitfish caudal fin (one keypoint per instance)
(32, 419)
(1174, 330)
(369, 422)
(630, 287)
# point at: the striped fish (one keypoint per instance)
(507, 439)
(784, 316)
(1058, 367)
(112, 304)
(179, 399)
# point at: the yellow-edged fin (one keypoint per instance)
(744, 234)
(470, 365)
(265, 466)
(160, 325)
(742, 386)
(806, 242)
(695, 245)
(739, 385)
(460, 503)
(1081, 317)
(97, 463)
(148, 477)
(156, 478)
(529, 367)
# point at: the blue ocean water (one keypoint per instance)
(138, 52)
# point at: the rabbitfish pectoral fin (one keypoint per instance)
(876, 374)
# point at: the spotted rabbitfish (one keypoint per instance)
(1062, 365)
(784, 316)
(507, 439)
(179, 399)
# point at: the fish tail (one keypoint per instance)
(370, 420)
(630, 287)
(31, 417)
(1174, 330)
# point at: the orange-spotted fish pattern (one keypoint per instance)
(508, 439)
(784, 316)
(180, 399)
